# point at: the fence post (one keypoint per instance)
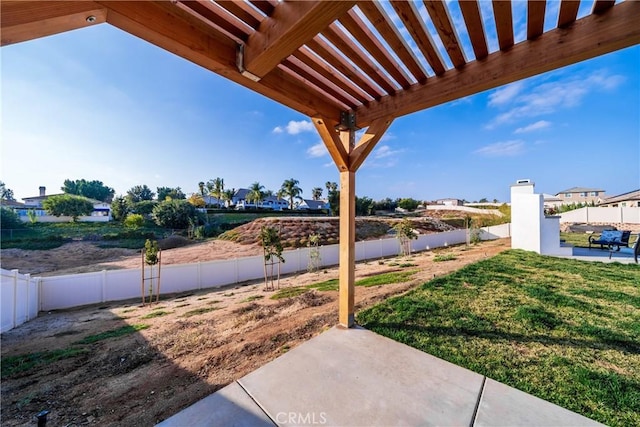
(199, 271)
(28, 282)
(15, 297)
(104, 285)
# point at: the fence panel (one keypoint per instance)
(74, 290)
(70, 290)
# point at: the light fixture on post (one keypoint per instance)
(91, 19)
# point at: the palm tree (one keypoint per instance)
(331, 186)
(202, 188)
(255, 193)
(316, 193)
(291, 190)
(217, 189)
(227, 196)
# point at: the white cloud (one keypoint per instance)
(385, 151)
(547, 98)
(294, 128)
(505, 94)
(540, 124)
(317, 150)
(502, 149)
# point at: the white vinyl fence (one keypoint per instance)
(57, 292)
(19, 297)
(630, 215)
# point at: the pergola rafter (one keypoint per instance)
(369, 62)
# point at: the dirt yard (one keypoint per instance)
(192, 345)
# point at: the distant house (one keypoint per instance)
(101, 210)
(239, 200)
(213, 201)
(624, 200)
(450, 202)
(581, 195)
(306, 204)
(551, 201)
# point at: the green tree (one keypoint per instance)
(9, 219)
(408, 204)
(144, 207)
(316, 193)
(291, 190)
(174, 214)
(90, 189)
(333, 197)
(255, 194)
(139, 193)
(119, 208)
(364, 206)
(134, 221)
(405, 233)
(5, 193)
(68, 205)
(165, 193)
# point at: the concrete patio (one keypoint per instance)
(354, 377)
(600, 255)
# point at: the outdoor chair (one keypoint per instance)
(634, 249)
(611, 238)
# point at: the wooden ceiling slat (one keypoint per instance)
(380, 20)
(290, 26)
(410, 18)
(504, 23)
(442, 21)
(473, 21)
(568, 12)
(242, 11)
(28, 20)
(311, 89)
(335, 59)
(173, 29)
(589, 37)
(535, 18)
(368, 40)
(264, 6)
(601, 6)
(305, 55)
(341, 41)
(315, 78)
(215, 15)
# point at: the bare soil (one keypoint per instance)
(145, 377)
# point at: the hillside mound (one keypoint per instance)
(295, 232)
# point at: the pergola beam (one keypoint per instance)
(367, 142)
(587, 38)
(173, 29)
(28, 20)
(291, 25)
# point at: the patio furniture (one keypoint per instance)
(611, 238)
(633, 249)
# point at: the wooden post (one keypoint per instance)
(347, 247)
(348, 157)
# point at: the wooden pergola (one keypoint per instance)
(347, 64)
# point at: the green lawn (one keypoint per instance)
(564, 330)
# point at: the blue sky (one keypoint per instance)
(101, 104)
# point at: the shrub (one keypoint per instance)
(174, 214)
(134, 221)
(9, 219)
